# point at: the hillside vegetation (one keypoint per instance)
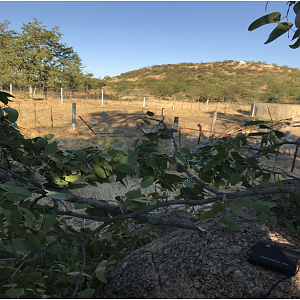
(230, 81)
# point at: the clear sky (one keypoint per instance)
(114, 37)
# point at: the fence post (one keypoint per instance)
(144, 104)
(175, 126)
(102, 97)
(10, 90)
(252, 109)
(74, 116)
(207, 101)
(213, 124)
(61, 95)
(51, 118)
(173, 107)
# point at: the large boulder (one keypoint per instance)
(209, 263)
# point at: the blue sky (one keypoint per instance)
(114, 37)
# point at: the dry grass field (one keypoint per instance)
(116, 119)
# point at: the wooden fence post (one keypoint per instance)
(213, 124)
(74, 116)
(51, 118)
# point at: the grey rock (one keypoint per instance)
(203, 264)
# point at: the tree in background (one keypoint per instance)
(37, 58)
(42, 58)
(8, 72)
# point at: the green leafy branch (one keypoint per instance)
(282, 27)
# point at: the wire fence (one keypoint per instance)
(39, 94)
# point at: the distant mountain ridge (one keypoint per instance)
(229, 80)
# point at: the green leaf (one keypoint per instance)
(57, 195)
(50, 150)
(273, 221)
(172, 178)
(279, 30)
(7, 214)
(19, 245)
(81, 205)
(267, 184)
(290, 225)
(236, 210)
(213, 212)
(29, 144)
(99, 171)
(72, 178)
(151, 162)
(242, 202)
(100, 271)
(234, 178)
(123, 168)
(86, 294)
(263, 218)
(208, 215)
(15, 293)
(261, 208)
(270, 18)
(49, 221)
(133, 194)
(278, 134)
(27, 211)
(8, 184)
(76, 273)
(50, 239)
(231, 225)
(49, 136)
(141, 200)
(268, 204)
(150, 113)
(188, 183)
(180, 157)
(19, 191)
(296, 44)
(4, 97)
(277, 196)
(146, 182)
(296, 7)
(12, 114)
(209, 165)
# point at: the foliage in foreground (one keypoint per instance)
(282, 27)
(43, 255)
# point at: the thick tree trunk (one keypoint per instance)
(32, 92)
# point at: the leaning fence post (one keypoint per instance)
(74, 116)
(175, 126)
